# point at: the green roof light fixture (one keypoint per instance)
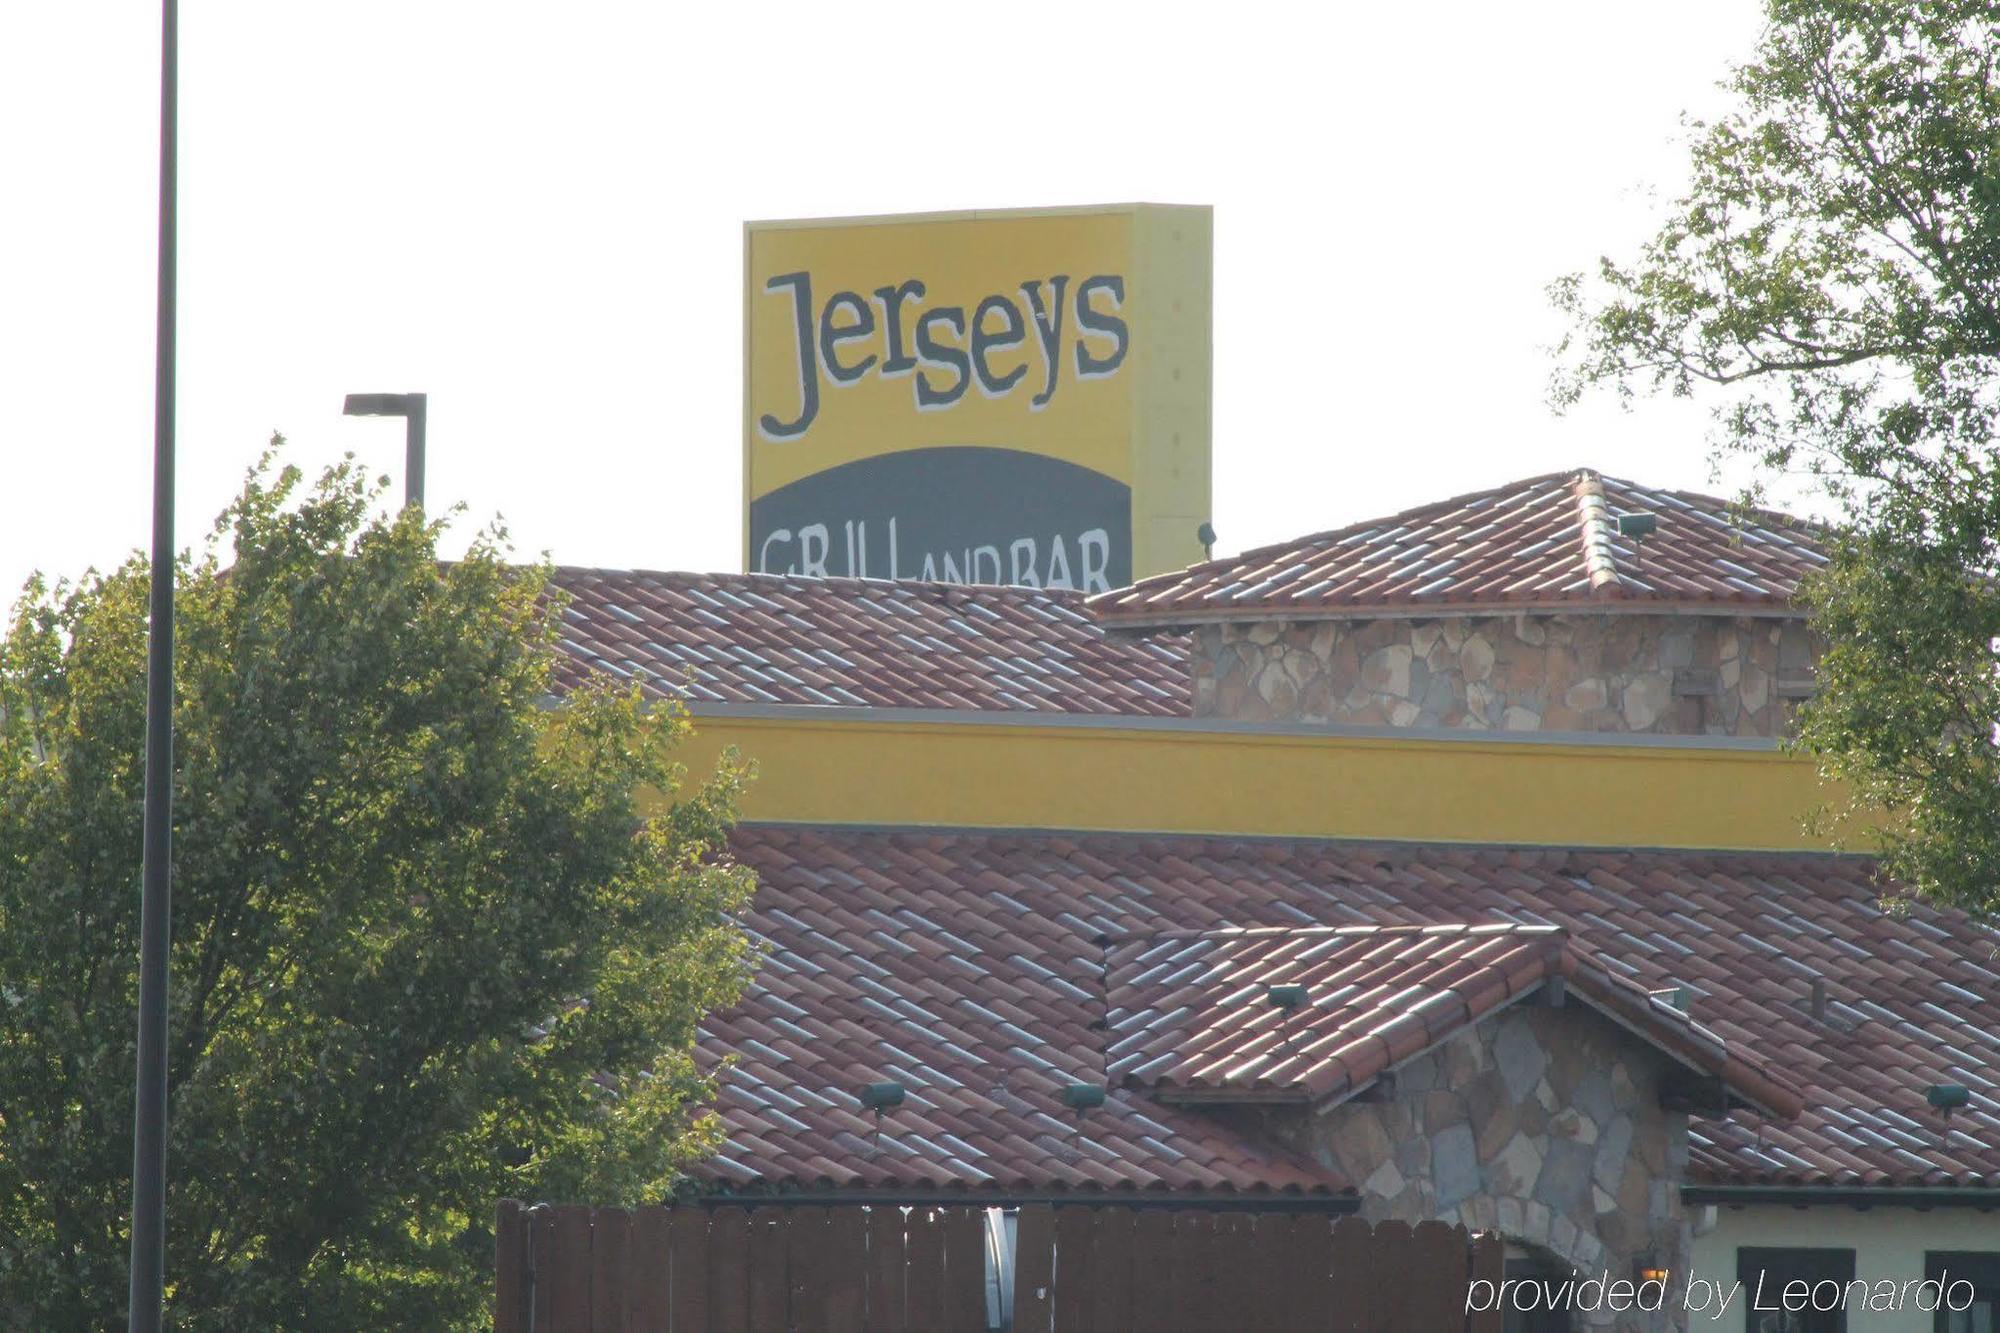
(1286, 997)
(1947, 1097)
(1081, 1097)
(880, 1097)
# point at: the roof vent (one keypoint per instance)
(879, 1097)
(1638, 525)
(1286, 997)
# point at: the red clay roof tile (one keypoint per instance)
(1549, 541)
(1003, 1006)
(780, 639)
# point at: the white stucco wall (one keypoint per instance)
(1887, 1243)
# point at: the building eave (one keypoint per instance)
(1983, 1197)
(1246, 1201)
(1180, 620)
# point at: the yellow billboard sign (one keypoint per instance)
(1010, 397)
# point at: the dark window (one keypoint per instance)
(1547, 1277)
(1776, 1269)
(1982, 1270)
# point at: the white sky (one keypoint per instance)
(533, 214)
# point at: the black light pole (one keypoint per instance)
(149, 1130)
(412, 407)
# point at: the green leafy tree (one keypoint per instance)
(1832, 275)
(437, 941)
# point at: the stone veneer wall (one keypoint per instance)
(1543, 1124)
(1670, 675)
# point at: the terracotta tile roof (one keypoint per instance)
(894, 959)
(972, 966)
(1548, 541)
(779, 639)
(1194, 1012)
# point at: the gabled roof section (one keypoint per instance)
(783, 639)
(891, 958)
(1546, 542)
(1191, 1014)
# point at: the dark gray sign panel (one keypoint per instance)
(963, 514)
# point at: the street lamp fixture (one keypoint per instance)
(411, 407)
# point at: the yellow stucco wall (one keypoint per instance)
(1190, 778)
(1887, 1243)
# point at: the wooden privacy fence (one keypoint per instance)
(848, 1268)
(740, 1270)
(1116, 1270)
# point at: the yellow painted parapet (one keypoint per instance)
(838, 766)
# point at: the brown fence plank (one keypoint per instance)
(806, 1240)
(965, 1270)
(843, 1273)
(885, 1270)
(1152, 1260)
(1180, 1275)
(1392, 1253)
(1034, 1268)
(1435, 1297)
(1271, 1242)
(1234, 1270)
(1254, 1287)
(510, 1268)
(1111, 1270)
(923, 1274)
(1072, 1305)
(1349, 1255)
(1488, 1263)
(610, 1268)
(770, 1271)
(1194, 1272)
(1206, 1308)
(647, 1289)
(541, 1265)
(569, 1276)
(690, 1288)
(728, 1272)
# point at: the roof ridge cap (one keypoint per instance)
(1104, 602)
(1738, 509)
(1772, 1091)
(1536, 929)
(1593, 512)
